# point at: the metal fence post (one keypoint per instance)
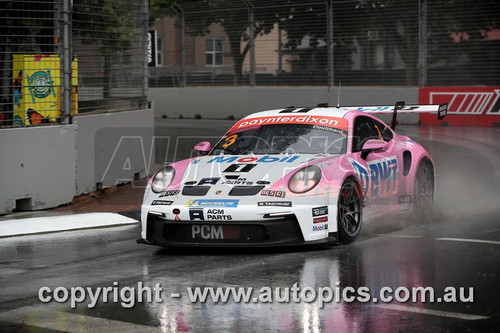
(422, 43)
(251, 41)
(145, 24)
(66, 96)
(280, 50)
(329, 7)
(179, 11)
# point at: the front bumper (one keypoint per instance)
(283, 231)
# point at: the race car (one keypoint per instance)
(291, 176)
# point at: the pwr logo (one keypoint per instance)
(469, 102)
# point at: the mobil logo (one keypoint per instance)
(253, 159)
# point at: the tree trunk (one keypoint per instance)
(407, 46)
(238, 58)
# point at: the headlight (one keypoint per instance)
(162, 179)
(305, 179)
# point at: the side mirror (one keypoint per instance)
(372, 145)
(203, 148)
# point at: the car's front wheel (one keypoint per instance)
(349, 212)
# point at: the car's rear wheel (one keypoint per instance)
(424, 190)
(349, 212)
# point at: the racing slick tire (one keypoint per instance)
(423, 197)
(349, 211)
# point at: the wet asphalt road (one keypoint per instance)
(457, 246)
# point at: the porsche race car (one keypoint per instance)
(292, 176)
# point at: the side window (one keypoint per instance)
(383, 130)
(364, 129)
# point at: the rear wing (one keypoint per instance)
(440, 109)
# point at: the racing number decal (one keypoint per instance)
(230, 140)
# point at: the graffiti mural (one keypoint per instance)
(37, 89)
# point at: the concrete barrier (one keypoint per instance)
(224, 102)
(111, 147)
(47, 166)
(37, 167)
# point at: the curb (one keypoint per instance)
(58, 223)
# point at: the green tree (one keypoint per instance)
(399, 22)
(306, 26)
(23, 31)
(107, 24)
(231, 15)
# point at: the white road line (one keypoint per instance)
(69, 322)
(400, 236)
(448, 239)
(447, 314)
(35, 225)
(469, 240)
(7, 271)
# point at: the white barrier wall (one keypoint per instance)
(223, 102)
(112, 148)
(46, 166)
(37, 167)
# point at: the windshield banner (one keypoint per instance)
(252, 123)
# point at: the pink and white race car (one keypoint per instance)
(292, 176)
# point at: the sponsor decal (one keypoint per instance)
(330, 129)
(379, 178)
(196, 214)
(169, 193)
(321, 219)
(466, 105)
(212, 214)
(290, 119)
(240, 168)
(239, 181)
(442, 111)
(275, 203)
(374, 108)
(273, 193)
(318, 211)
(463, 102)
(320, 227)
(177, 218)
(405, 199)
(211, 181)
(212, 203)
(161, 202)
(263, 159)
(214, 232)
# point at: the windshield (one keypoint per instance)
(284, 139)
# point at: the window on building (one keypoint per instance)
(159, 51)
(214, 51)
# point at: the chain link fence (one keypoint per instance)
(357, 42)
(61, 58)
